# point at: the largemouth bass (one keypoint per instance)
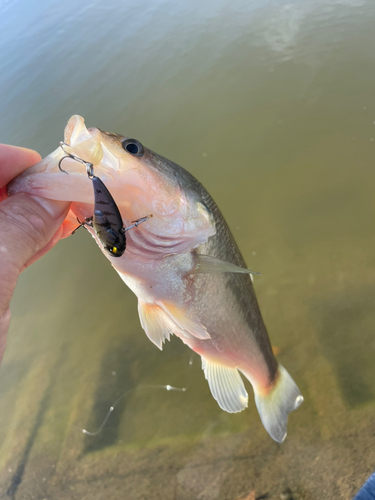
(183, 264)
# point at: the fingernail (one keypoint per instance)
(54, 207)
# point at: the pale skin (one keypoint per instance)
(29, 227)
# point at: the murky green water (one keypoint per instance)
(271, 104)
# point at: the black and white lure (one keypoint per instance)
(106, 221)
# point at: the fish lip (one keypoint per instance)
(18, 184)
(42, 184)
(75, 135)
(75, 129)
(46, 180)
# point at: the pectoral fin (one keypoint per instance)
(226, 386)
(205, 264)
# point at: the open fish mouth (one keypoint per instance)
(89, 144)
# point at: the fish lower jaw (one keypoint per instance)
(54, 186)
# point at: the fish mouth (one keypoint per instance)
(70, 182)
(136, 187)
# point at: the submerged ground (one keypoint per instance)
(272, 107)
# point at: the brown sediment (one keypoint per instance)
(250, 496)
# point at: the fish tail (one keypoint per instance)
(277, 403)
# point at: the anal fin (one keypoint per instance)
(226, 386)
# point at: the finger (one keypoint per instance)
(64, 231)
(70, 224)
(52, 242)
(14, 160)
(27, 224)
(68, 228)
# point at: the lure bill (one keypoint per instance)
(185, 268)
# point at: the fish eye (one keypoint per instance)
(133, 147)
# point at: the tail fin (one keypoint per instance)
(274, 407)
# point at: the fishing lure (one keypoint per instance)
(106, 221)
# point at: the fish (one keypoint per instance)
(184, 265)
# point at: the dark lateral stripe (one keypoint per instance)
(102, 202)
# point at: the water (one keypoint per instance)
(271, 105)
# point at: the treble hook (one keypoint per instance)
(89, 166)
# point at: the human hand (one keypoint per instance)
(29, 227)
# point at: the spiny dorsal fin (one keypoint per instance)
(205, 264)
(226, 386)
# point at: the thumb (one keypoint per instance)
(27, 224)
